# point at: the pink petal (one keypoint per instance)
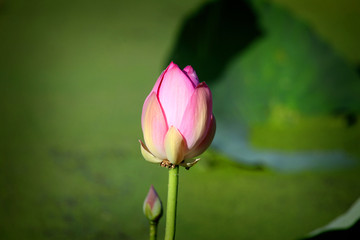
(192, 75)
(174, 93)
(154, 126)
(196, 120)
(146, 103)
(155, 88)
(160, 78)
(205, 143)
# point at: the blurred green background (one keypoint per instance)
(74, 75)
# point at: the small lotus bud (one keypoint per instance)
(152, 205)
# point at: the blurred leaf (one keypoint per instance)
(336, 22)
(281, 79)
(346, 226)
(210, 38)
(289, 67)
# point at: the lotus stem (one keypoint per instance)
(172, 203)
(153, 230)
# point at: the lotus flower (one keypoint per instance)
(177, 119)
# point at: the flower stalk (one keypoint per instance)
(172, 203)
(153, 230)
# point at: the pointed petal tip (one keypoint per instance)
(175, 146)
(188, 69)
(190, 72)
(189, 163)
(148, 156)
(202, 84)
(172, 65)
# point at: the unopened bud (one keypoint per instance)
(152, 205)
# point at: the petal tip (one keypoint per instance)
(172, 65)
(148, 156)
(175, 146)
(202, 84)
(188, 69)
(188, 164)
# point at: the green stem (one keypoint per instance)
(153, 230)
(171, 203)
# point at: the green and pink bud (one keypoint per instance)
(152, 205)
(177, 119)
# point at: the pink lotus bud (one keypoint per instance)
(177, 119)
(152, 205)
